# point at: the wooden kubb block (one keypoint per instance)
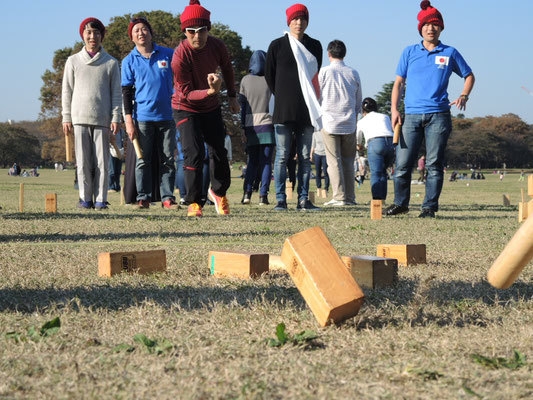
(141, 262)
(50, 203)
(321, 277)
(237, 265)
(371, 271)
(406, 254)
(376, 207)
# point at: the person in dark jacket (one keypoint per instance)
(291, 72)
(254, 98)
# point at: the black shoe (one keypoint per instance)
(247, 198)
(427, 213)
(394, 209)
(263, 201)
(281, 206)
(306, 205)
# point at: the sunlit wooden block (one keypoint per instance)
(50, 203)
(275, 263)
(321, 277)
(523, 210)
(406, 254)
(371, 271)
(376, 209)
(530, 185)
(141, 262)
(237, 265)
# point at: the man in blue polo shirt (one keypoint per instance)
(424, 71)
(147, 88)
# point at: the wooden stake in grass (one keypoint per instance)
(514, 257)
(376, 209)
(50, 203)
(21, 198)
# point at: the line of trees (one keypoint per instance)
(486, 142)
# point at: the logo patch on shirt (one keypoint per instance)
(162, 63)
(442, 61)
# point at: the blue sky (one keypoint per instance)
(494, 37)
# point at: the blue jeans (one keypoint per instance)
(158, 143)
(435, 129)
(115, 171)
(259, 165)
(321, 171)
(285, 134)
(380, 153)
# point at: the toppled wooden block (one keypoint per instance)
(141, 262)
(321, 277)
(406, 254)
(237, 265)
(50, 203)
(371, 271)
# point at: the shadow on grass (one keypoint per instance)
(455, 303)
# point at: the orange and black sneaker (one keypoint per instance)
(170, 204)
(221, 203)
(194, 210)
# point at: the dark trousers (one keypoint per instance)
(195, 129)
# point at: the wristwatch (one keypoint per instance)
(464, 96)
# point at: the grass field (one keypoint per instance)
(442, 332)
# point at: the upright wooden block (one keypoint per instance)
(311, 196)
(321, 277)
(142, 262)
(371, 271)
(406, 254)
(506, 200)
(50, 203)
(523, 210)
(530, 185)
(288, 190)
(237, 265)
(376, 209)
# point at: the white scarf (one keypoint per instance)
(307, 69)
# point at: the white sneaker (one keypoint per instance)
(334, 202)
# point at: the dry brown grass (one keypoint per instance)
(413, 341)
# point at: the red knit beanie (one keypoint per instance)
(295, 11)
(138, 20)
(429, 15)
(195, 15)
(96, 22)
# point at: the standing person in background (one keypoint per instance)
(376, 130)
(318, 157)
(424, 72)
(258, 131)
(115, 161)
(292, 65)
(147, 90)
(197, 109)
(91, 107)
(341, 91)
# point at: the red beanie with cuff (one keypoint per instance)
(96, 22)
(295, 11)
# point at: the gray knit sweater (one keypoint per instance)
(91, 93)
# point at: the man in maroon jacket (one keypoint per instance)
(197, 109)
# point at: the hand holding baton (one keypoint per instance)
(137, 146)
(397, 131)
